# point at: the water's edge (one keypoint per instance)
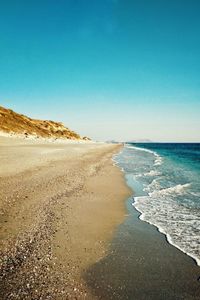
(141, 214)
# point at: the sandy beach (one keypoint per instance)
(100, 150)
(60, 204)
(68, 233)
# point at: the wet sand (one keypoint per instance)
(142, 265)
(59, 205)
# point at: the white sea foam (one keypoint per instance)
(115, 162)
(179, 189)
(169, 205)
(151, 173)
(141, 149)
(154, 185)
(158, 158)
(172, 220)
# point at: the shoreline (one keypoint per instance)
(67, 232)
(142, 216)
(142, 212)
(143, 264)
(167, 236)
(59, 217)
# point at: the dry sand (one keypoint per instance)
(60, 204)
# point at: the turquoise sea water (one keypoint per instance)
(165, 178)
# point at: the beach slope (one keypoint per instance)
(59, 203)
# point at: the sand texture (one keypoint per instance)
(59, 204)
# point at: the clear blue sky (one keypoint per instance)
(109, 69)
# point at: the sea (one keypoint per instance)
(165, 179)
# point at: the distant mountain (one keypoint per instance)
(14, 123)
